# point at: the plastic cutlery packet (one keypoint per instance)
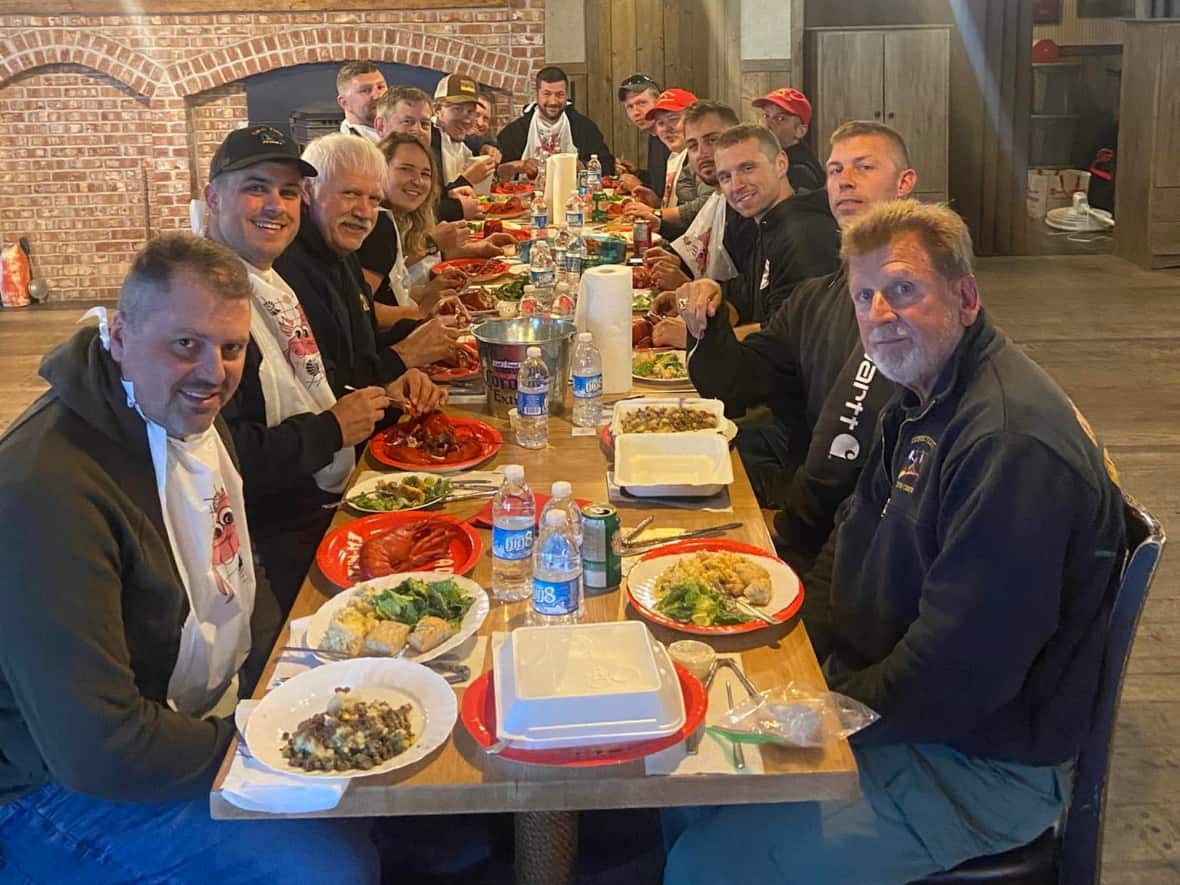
(794, 716)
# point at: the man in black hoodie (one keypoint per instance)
(807, 363)
(117, 692)
(552, 126)
(971, 582)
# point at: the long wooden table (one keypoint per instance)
(460, 778)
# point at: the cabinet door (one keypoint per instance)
(917, 95)
(1167, 131)
(849, 70)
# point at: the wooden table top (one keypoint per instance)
(460, 778)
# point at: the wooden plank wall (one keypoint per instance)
(693, 44)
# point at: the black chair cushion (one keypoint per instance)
(1031, 864)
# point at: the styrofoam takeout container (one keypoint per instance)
(670, 464)
(714, 407)
(585, 684)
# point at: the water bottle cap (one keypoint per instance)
(532, 352)
(562, 489)
(585, 336)
(555, 517)
(514, 472)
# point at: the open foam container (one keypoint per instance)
(585, 684)
(669, 464)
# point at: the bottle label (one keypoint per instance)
(512, 543)
(587, 386)
(593, 182)
(531, 405)
(555, 597)
(542, 278)
(574, 218)
(540, 220)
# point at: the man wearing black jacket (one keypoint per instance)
(807, 364)
(638, 94)
(294, 435)
(552, 126)
(787, 113)
(971, 583)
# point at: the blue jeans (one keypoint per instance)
(923, 809)
(53, 835)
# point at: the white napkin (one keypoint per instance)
(718, 503)
(251, 785)
(715, 754)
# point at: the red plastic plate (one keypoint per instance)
(338, 552)
(439, 372)
(650, 614)
(478, 713)
(489, 438)
(483, 519)
(491, 268)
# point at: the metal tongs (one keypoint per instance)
(692, 745)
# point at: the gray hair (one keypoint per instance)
(336, 153)
(165, 257)
(943, 234)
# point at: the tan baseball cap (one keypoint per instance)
(456, 89)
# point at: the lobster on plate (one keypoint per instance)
(477, 298)
(406, 548)
(511, 206)
(432, 439)
(463, 359)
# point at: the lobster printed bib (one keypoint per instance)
(292, 373)
(205, 515)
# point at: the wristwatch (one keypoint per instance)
(658, 213)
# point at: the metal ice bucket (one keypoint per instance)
(502, 346)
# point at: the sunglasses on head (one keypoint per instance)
(636, 81)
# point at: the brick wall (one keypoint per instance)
(108, 123)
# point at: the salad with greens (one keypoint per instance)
(512, 291)
(407, 493)
(695, 601)
(667, 366)
(413, 599)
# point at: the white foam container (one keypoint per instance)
(672, 464)
(585, 684)
(713, 406)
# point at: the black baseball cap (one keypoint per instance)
(258, 144)
(637, 83)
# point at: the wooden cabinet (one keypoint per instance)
(1147, 185)
(898, 76)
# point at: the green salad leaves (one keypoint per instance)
(696, 602)
(414, 599)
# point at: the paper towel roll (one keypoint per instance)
(561, 179)
(604, 310)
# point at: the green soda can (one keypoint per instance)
(602, 566)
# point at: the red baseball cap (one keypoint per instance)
(674, 100)
(790, 100)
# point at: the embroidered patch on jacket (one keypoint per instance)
(915, 464)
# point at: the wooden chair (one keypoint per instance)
(1072, 855)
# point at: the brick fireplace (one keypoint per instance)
(108, 123)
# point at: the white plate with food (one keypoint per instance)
(668, 368)
(352, 719)
(693, 586)
(392, 492)
(413, 615)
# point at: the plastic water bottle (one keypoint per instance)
(575, 251)
(542, 271)
(562, 498)
(587, 374)
(557, 573)
(540, 213)
(514, 513)
(593, 175)
(561, 245)
(532, 401)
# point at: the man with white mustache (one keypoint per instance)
(340, 208)
(965, 599)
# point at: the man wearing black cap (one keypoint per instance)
(638, 94)
(294, 438)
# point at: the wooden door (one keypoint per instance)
(849, 84)
(917, 101)
(1167, 132)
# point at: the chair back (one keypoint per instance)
(1081, 847)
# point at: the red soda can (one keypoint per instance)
(641, 236)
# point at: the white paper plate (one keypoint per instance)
(665, 382)
(394, 681)
(370, 485)
(471, 621)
